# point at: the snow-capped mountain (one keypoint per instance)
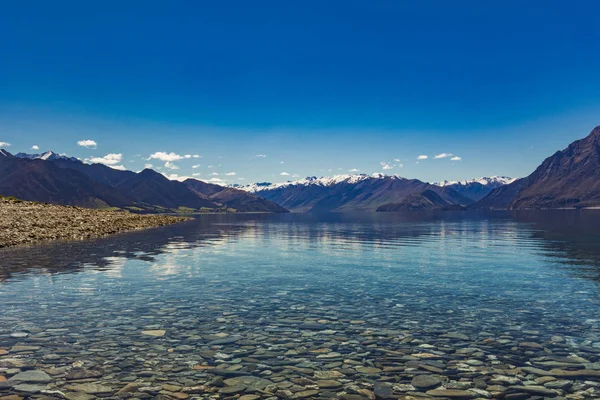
(493, 181)
(357, 192)
(47, 156)
(368, 192)
(477, 188)
(325, 181)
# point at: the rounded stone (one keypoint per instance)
(426, 382)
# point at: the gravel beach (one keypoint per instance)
(23, 222)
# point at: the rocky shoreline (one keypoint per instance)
(23, 222)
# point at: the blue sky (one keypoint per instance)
(318, 88)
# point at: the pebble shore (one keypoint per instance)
(23, 222)
(171, 351)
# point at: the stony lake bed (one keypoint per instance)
(288, 307)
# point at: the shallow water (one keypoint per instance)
(311, 306)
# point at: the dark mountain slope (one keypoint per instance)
(502, 197)
(570, 178)
(150, 187)
(353, 193)
(233, 198)
(203, 188)
(451, 195)
(97, 172)
(43, 181)
(427, 200)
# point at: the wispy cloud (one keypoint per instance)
(170, 165)
(230, 174)
(387, 166)
(196, 156)
(456, 158)
(215, 174)
(353, 170)
(4, 144)
(422, 157)
(196, 174)
(259, 156)
(35, 147)
(87, 143)
(443, 155)
(187, 156)
(284, 174)
(147, 166)
(164, 156)
(196, 166)
(216, 180)
(109, 159)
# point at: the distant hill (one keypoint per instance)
(150, 187)
(234, 198)
(477, 189)
(570, 178)
(424, 201)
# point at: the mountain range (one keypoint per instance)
(52, 178)
(376, 192)
(570, 178)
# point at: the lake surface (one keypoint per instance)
(452, 305)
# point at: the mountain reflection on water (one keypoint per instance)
(571, 236)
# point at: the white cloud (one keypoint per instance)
(230, 174)
(215, 174)
(295, 176)
(196, 156)
(385, 165)
(211, 166)
(188, 156)
(353, 170)
(119, 167)
(216, 180)
(260, 156)
(87, 143)
(241, 179)
(109, 159)
(196, 166)
(396, 160)
(4, 144)
(170, 165)
(196, 174)
(443, 155)
(422, 157)
(456, 158)
(147, 166)
(284, 174)
(163, 156)
(35, 147)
